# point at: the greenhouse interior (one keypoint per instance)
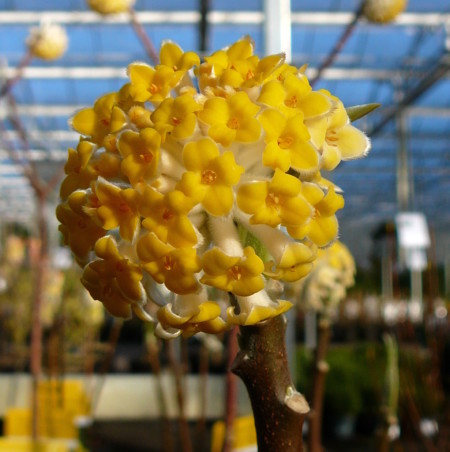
(224, 225)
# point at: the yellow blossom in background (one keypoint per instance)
(188, 201)
(327, 284)
(383, 11)
(110, 6)
(48, 41)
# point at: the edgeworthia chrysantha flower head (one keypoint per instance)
(195, 190)
(48, 41)
(110, 6)
(383, 11)
(326, 285)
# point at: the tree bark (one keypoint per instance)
(278, 409)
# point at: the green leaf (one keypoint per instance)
(358, 111)
(248, 239)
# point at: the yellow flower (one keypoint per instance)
(231, 119)
(110, 6)
(150, 84)
(293, 264)
(336, 138)
(80, 232)
(172, 56)
(176, 117)
(210, 176)
(256, 308)
(279, 201)
(78, 174)
(114, 280)
(287, 143)
(111, 207)
(294, 94)
(97, 122)
(323, 227)
(239, 275)
(140, 152)
(175, 267)
(166, 216)
(48, 41)
(237, 67)
(189, 314)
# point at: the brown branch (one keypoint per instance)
(339, 44)
(186, 445)
(320, 371)
(24, 62)
(146, 41)
(203, 370)
(155, 364)
(279, 410)
(40, 268)
(113, 339)
(231, 392)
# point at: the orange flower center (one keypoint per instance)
(146, 158)
(235, 272)
(285, 142)
(168, 263)
(82, 224)
(94, 201)
(154, 88)
(331, 137)
(291, 101)
(176, 121)
(233, 123)
(167, 214)
(208, 177)
(250, 74)
(124, 207)
(272, 200)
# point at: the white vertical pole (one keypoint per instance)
(277, 27)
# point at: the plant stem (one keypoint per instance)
(320, 372)
(231, 392)
(40, 267)
(186, 445)
(145, 40)
(279, 410)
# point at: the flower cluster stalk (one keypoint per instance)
(279, 410)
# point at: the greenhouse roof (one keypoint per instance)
(403, 65)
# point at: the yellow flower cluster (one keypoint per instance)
(383, 11)
(332, 274)
(197, 180)
(110, 6)
(48, 41)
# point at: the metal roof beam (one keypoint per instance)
(214, 17)
(439, 71)
(110, 72)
